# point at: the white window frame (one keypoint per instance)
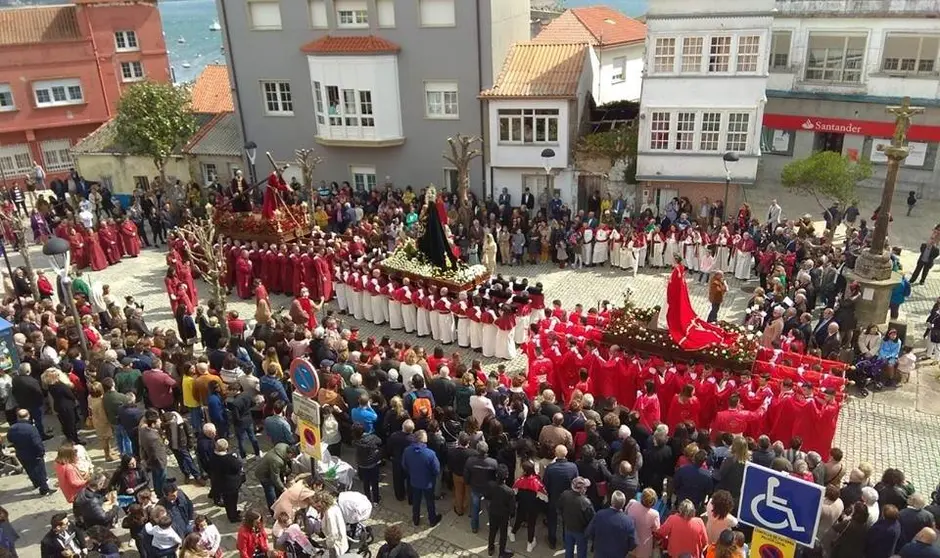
(516, 120)
(277, 92)
(709, 140)
(699, 130)
(720, 51)
(364, 175)
(736, 139)
(57, 93)
(919, 59)
(131, 71)
(7, 101)
(318, 103)
(685, 130)
(354, 110)
(366, 108)
(209, 171)
(748, 58)
(318, 14)
(126, 41)
(691, 56)
(619, 74)
(352, 19)
(776, 46)
(842, 57)
(16, 159)
(660, 130)
(441, 100)
(385, 13)
(269, 26)
(56, 155)
(664, 55)
(450, 19)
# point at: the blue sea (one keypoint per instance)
(190, 19)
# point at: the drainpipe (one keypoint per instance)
(94, 50)
(483, 104)
(230, 55)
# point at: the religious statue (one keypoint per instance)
(433, 241)
(241, 202)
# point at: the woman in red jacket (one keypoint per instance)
(252, 539)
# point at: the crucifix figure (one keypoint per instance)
(902, 121)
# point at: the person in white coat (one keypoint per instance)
(339, 286)
(475, 315)
(463, 321)
(366, 297)
(433, 322)
(601, 246)
(616, 241)
(395, 317)
(379, 301)
(353, 287)
(587, 248)
(409, 314)
(423, 317)
(489, 332)
(445, 319)
(505, 327)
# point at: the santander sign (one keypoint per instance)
(822, 126)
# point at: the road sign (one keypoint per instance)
(780, 504)
(309, 435)
(306, 409)
(765, 544)
(305, 377)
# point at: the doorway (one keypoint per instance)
(828, 141)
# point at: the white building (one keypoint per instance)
(703, 97)
(536, 105)
(834, 68)
(617, 41)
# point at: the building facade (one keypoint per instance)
(535, 106)
(618, 43)
(703, 97)
(835, 67)
(62, 73)
(376, 86)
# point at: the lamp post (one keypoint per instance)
(729, 159)
(59, 256)
(547, 155)
(251, 150)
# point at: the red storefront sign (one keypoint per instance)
(843, 126)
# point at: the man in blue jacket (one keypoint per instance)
(421, 466)
(612, 530)
(277, 427)
(557, 479)
(26, 440)
(693, 482)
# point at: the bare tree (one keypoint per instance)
(204, 247)
(463, 150)
(307, 160)
(19, 233)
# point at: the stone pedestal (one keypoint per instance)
(873, 274)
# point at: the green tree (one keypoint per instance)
(826, 176)
(613, 146)
(155, 120)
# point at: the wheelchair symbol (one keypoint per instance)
(778, 504)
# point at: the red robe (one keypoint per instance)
(310, 277)
(297, 262)
(184, 297)
(261, 293)
(256, 257)
(286, 263)
(323, 277)
(77, 249)
(185, 272)
(680, 412)
(272, 195)
(95, 254)
(647, 408)
(231, 255)
(302, 308)
(110, 244)
(271, 276)
(243, 276)
(737, 421)
(129, 238)
(171, 284)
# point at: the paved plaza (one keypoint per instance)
(892, 428)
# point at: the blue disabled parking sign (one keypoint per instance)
(781, 504)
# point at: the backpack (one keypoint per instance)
(422, 408)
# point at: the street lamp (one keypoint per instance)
(251, 150)
(729, 159)
(547, 155)
(60, 257)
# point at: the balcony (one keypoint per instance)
(858, 8)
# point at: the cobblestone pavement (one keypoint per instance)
(887, 429)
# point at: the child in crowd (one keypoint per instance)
(161, 529)
(907, 363)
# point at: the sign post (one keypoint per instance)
(780, 505)
(306, 409)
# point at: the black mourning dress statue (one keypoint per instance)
(433, 243)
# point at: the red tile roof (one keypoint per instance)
(38, 24)
(540, 70)
(598, 25)
(212, 91)
(357, 44)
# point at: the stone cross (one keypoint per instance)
(902, 121)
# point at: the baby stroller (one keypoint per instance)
(356, 510)
(867, 374)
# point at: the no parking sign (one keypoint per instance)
(765, 544)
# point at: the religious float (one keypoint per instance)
(287, 224)
(430, 256)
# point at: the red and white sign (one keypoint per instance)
(843, 126)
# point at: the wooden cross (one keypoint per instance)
(902, 121)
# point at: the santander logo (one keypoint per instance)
(822, 126)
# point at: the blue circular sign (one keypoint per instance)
(305, 377)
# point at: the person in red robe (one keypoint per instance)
(185, 298)
(230, 252)
(261, 292)
(647, 407)
(306, 260)
(109, 243)
(323, 277)
(685, 407)
(184, 270)
(129, 238)
(735, 419)
(243, 275)
(272, 275)
(303, 311)
(540, 371)
(297, 265)
(286, 264)
(171, 282)
(255, 256)
(95, 254)
(272, 195)
(77, 248)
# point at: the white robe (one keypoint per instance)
(340, 287)
(587, 249)
(689, 255)
(464, 336)
(640, 256)
(434, 323)
(355, 303)
(657, 259)
(367, 306)
(627, 258)
(742, 265)
(409, 317)
(669, 252)
(476, 334)
(601, 246)
(395, 317)
(505, 345)
(489, 339)
(445, 327)
(522, 328)
(615, 243)
(379, 309)
(423, 322)
(722, 258)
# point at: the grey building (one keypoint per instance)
(375, 86)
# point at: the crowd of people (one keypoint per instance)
(647, 452)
